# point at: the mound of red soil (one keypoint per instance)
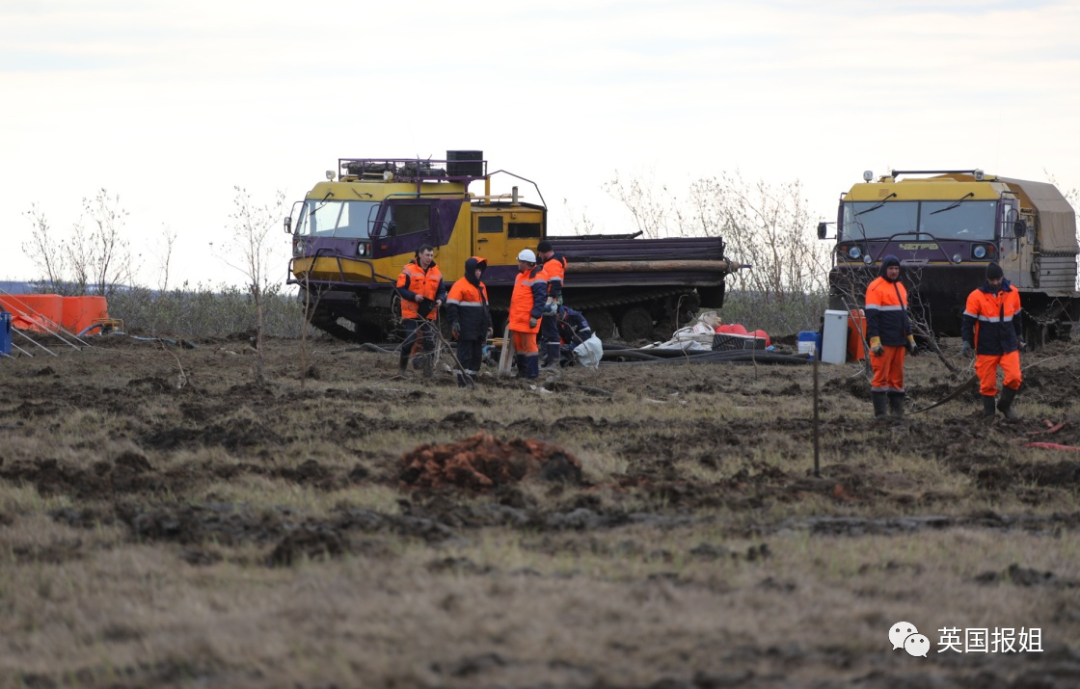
(482, 461)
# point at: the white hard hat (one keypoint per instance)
(527, 255)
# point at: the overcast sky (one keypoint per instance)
(171, 104)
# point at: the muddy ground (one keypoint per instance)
(167, 521)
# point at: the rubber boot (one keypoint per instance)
(988, 406)
(428, 365)
(1004, 405)
(896, 405)
(403, 364)
(461, 379)
(520, 360)
(881, 401)
(553, 354)
(532, 366)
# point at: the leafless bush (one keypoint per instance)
(46, 251)
(248, 249)
(163, 252)
(94, 258)
(651, 211)
(765, 225)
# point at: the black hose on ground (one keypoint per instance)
(735, 356)
(371, 347)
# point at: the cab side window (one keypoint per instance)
(409, 219)
(524, 230)
(490, 224)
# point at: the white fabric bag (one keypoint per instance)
(589, 352)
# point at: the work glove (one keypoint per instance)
(912, 348)
(966, 350)
(1022, 345)
(533, 322)
(551, 306)
(455, 328)
(875, 346)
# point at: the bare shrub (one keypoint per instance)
(107, 253)
(163, 252)
(95, 258)
(651, 211)
(46, 251)
(247, 249)
(765, 225)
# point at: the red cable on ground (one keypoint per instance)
(1053, 446)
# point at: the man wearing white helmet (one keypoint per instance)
(526, 308)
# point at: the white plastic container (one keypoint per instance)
(834, 337)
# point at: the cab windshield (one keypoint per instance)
(966, 220)
(330, 218)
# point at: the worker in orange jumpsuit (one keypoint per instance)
(554, 271)
(526, 308)
(993, 329)
(470, 319)
(888, 326)
(422, 291)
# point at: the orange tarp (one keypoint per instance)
(37, 312)
(856, 335)
(47, 312)
(81, 312)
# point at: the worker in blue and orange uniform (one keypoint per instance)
(470, 318)
(421, 289)
(554, 271)
(526, 308)
(993, 329)
(888, 326)
(574, 330)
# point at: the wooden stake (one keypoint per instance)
(506, 358)
(817, 444)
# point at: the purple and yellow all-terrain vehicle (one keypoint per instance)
(352, 235)
(945, 227)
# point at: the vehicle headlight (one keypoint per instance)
(867, 260)
(957, 258)
(979, 251)
(298, 247)
(854, 253)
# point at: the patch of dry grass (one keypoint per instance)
(688, 471)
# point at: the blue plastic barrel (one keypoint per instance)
(5, 332)
(809, 343)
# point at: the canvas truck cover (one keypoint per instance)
(1057, 219)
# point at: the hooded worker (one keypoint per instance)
(526, 308)
(888, 326)
(470, 318)
(992, 329)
